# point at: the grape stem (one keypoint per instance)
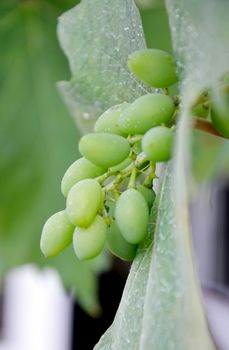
(132, 182)
(105, 176)
(122, 175)
(141, 158)
(151, 176)
(165, 91)
(134, 139)
(113, 185)
(106, 216)
(176, 100)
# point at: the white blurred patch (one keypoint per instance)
(37, 312)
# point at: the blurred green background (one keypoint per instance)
(38, 139)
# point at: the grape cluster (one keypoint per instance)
(109, 191)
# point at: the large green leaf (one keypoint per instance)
(81, 278)
(38, 140)
(161, 306)
(97, 37)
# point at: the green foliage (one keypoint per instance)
(81, 278)
(38, 143)
(161, 307)
(156, 26)
(35, 129)
(97, 37)
(38, 140)
(160, 299)
(210, 157)
(220, 113)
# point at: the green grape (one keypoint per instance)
(123, 165)
(83, 201)
(89, 242)
(104, 150)
(146, 112)
(154, 67)
(200, 110)
(79, 170)
(148, 194)
(220, 114)
(157, 144)
(56, 234)
(132, 216)
(108, 121)
(118, 245)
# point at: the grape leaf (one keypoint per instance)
(81, 278)
(160, 306)
(97, 37)
(38, 141)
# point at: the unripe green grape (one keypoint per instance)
(81, 169)
(104, 150)
(220, 114)
(146, 112)
(148, 194)
(123, 165)
(118, 245)
(157, 144)
(108, 121)
(89, 242)
(83, 201)
(200, 111)
(154, 67)
(132, 216)
(56, 234)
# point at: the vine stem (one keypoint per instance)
(134, 139)
(141, 158)
(132, 181)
